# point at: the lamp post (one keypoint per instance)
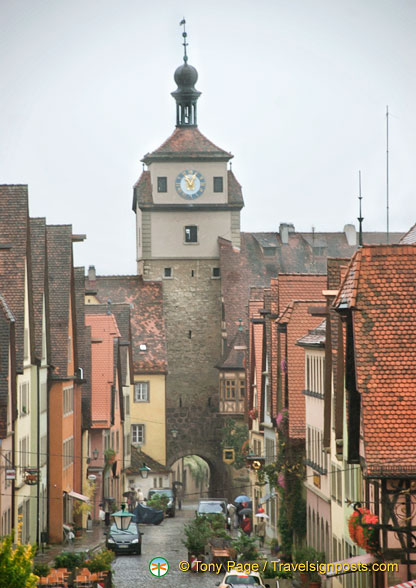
(122, 518)
(144, 471)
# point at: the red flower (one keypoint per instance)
(364, 536)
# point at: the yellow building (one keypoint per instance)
(146, 406)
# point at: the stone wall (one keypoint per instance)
(192, 313)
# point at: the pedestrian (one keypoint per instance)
(231, 516)
(246, 525)
(261, 531)
(140, 496)
(131, 500)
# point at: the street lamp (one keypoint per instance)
(122, 518)
(144, 471)
(95, 454)
(174, 433)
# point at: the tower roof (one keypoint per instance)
(187, 143)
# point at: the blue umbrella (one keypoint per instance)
(242, 499)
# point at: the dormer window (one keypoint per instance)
(218, 184)
(162, 184)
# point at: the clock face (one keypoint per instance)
(190, 184)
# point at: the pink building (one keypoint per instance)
(106, 433)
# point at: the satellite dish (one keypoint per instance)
(92, 477)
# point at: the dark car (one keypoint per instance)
(171, 509)
(211, 506)
(128, 541)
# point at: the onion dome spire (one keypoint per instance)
(186, 95)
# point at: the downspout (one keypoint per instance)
(37, 363)
(13, 383)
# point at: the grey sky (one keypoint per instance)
(295, 89)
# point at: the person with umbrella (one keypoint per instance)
(261, 517)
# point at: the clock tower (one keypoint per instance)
(185, 199)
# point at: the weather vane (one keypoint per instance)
(184, 35)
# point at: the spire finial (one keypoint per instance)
(184, 35)
(360, 218)
(240, 326)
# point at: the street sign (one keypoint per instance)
(31, 477)
(228, 455)
(10, 474)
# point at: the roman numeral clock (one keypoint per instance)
(190, 184)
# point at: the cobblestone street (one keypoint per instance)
(165, 541)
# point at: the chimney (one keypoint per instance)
(91, 273)
(351, 235)
(284, 230)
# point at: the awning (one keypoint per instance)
(267, 497)
(337, 568)
(407, 584)
(77, 496)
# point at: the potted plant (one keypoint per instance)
(274, 571)
(274, 546)
(362, 531)
(197, 533)
(109, 456)
(246, 548)
(309, 555)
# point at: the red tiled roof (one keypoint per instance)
(146, 315)
(380, 287)
(103, 332)
(187, 143)
(300, 287)
(299, 321)
(255, 364)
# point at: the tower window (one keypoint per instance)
(218, 184)
(191, 234)
(162, 184)
(167, 272)
(215, 272)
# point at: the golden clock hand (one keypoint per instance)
(192, 182)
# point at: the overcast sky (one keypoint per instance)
(295, 89)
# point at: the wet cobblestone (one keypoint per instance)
(165, 540)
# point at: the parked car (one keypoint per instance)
(236, 578)
(171, 509)
(127, 541)
(209, 506)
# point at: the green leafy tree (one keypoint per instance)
(199, 470)
(16, 563)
